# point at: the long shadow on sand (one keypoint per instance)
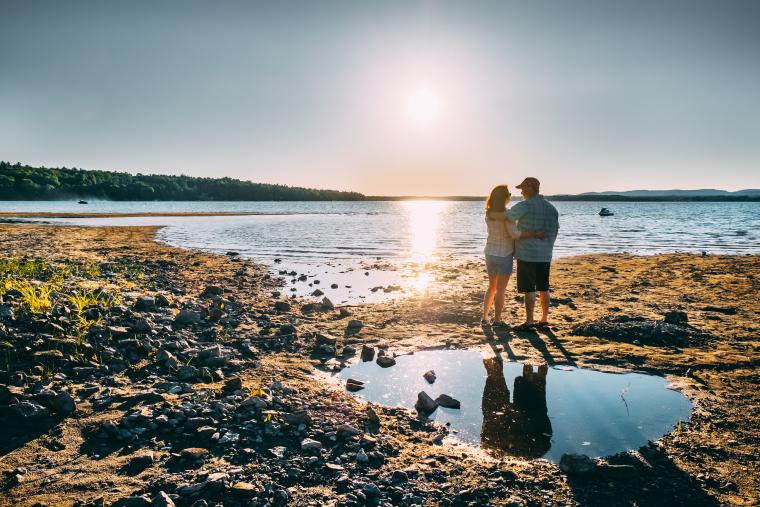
(502, 337)
(657, 480)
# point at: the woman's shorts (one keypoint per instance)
(496, 265)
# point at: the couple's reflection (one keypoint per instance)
(521, 427)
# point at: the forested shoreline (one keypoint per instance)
(25, 183)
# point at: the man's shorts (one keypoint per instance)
(532, 276)
(497, 265)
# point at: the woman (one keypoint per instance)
(499, 251)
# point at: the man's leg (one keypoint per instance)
(542, 285)
(544, 297)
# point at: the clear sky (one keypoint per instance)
(389, 97)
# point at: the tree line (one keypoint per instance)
(23, 182)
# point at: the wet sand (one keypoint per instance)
(712, 460)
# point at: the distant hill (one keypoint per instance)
(706, 192)
(24, 183)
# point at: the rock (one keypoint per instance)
(354, 326)
(132, 501)
(163, 301)
(193, 453)
(676, 317)
(326, 304)
(47, 356)
(145, 304)
(282, 306)
(244, 489)
(15, 417)
(429, 376)
(344, 312)
(278, 452)
(6, 312)
(578, 465)
(446, 401)
(187, 316)
(425, 404)
(232, 253)
(212, 290)
(118, 331)
(361, 456)
(399, 476)
(385, 361)
(187, 373)
(162, 500)
(310, 445)
(371, 490)
(354, 385)
(63, 403)
(368, 353)
(326, 339)
(233, 384)
(317, 293)
(334, 286)
(298, 417)
(229, 438)
(347, 430)
(725, 310)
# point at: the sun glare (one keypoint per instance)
(424, 225)
(423, 106)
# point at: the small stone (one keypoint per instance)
(429, 376)
(278, 452)
(244, 489)
(233, 384)
(282, 306)
(145, 304)
(676, 317)
(347, 429)
(326, 304)
(577, 464)
(425, 404)
(354, 385)
(187, 316)
(63, 403)
(385, 361)
(162, 500)
(354, 326)
(310, 445)
(361, 456)
(193, 453)
(298, 417)
(368, 353)
(213, 290)
(446, 401)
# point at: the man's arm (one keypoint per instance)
(517, 211)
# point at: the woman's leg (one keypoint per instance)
(488, 298)
(501, 289)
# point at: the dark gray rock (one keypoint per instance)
(385, 361)
(63, 403)
(446, 401)
(578, 465)
(425, 404)
(145, 304)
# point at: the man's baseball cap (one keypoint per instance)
(529, 182)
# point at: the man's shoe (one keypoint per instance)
(525, 326)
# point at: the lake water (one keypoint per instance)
(530, 411)
(364, 245)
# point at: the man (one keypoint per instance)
(534, 255)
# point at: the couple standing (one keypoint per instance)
(526, 231)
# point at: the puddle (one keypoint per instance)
(530, 411)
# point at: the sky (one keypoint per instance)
(389, 97)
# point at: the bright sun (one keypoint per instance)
(423, 106)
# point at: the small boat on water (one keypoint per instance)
(82, 202)
(604, 212)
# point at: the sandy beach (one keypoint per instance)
(195, 380)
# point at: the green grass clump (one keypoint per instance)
(35, 297)
(82, 299)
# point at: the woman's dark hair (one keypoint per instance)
(498, 199)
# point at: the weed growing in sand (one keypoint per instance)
(36, 297)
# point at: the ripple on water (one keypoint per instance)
(530, 411)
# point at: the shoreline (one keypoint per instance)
(589, 288)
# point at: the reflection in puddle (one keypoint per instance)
(530, 411)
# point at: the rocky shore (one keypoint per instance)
(136, 374)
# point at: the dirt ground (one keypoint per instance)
(713, 459)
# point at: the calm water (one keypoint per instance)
(338, 242)
(530, 411)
